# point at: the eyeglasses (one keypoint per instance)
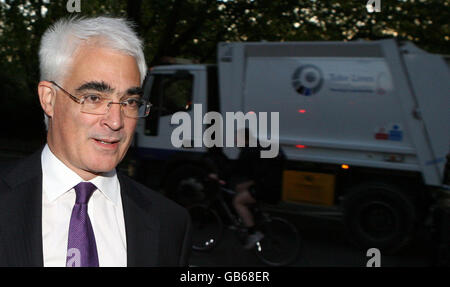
(98, 104)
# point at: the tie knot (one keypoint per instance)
(84, 191)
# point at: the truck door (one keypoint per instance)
(170, 92)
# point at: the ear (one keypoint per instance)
(47, 95)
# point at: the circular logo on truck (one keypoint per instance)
(307, 80)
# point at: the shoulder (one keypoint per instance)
(5, 170)
(14, 172)
(6, 167)
(143, 195)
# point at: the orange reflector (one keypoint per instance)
(344, 166)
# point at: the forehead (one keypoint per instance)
(98, 64)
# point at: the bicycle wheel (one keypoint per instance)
(280, 244)
(207, 227)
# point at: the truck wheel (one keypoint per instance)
(185, 185)
(379, 215)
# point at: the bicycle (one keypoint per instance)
(281, 242)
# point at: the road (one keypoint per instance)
(324, 244)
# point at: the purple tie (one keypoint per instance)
(81, 249)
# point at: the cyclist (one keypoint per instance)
(218, 168)
(256, 179)
(252, 178)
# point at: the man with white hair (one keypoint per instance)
(66, 205)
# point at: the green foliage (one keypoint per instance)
(192, 28)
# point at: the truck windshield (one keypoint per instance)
(174, 93)
(169, 93)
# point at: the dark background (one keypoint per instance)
(191, 29)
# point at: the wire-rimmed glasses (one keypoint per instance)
(98, 104)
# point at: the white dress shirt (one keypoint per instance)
(104, 209)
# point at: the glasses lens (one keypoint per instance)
(136, 108)
(94, 104)
(133, 108)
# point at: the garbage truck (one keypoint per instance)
(364, 127)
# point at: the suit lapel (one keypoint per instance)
(21, 213)
(141, 225)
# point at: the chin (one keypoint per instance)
(102, 165)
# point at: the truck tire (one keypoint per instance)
(379, 215)
(185, 184)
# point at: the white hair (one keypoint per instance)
(61, 40)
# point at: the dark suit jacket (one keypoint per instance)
(158, 231)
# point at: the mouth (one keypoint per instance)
(109, 144)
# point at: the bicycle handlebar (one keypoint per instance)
(215, 177)
(221, 184)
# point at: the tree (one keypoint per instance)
(192, 28)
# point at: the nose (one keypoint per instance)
(114, 117)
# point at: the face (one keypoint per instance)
(92, 144)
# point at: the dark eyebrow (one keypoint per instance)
(135, 91)
(96, 86)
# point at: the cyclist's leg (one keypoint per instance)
(242, 199)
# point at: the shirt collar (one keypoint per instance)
(58, 178)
